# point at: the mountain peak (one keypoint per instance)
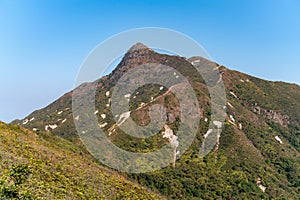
(138, 46)
(253, 107)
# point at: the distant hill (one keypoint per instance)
(258, 154)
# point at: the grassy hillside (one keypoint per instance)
(45, 166)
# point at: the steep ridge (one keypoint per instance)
(258, 153)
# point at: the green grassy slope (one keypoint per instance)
(45, 166)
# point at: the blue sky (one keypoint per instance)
(43, 43)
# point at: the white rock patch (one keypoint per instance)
(240, 126)
(230, 105)
(206, 119)
(60, 112)
(278, 139)
(263, 188)
(32, 119)
(25, 121)
(142, 104)
(107, 93)
(220, 78)
(103, 116)
(54, 126)
(232, 118)
(77, 117)
(108, 103)
(208, 133)
(195, 62)
(232, 93)
(127, 96)
(110, 132)
(96, 112)
(123, 118)
(218, 124)
(161, 88)
(103, 125)
(168, 133)
(173, 139)
(63, 121)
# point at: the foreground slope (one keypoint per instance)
(44, 166)
(258, 153)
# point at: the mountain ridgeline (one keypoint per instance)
(256, 157)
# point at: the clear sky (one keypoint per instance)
(43, 42)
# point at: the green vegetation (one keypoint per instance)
(45, 166)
